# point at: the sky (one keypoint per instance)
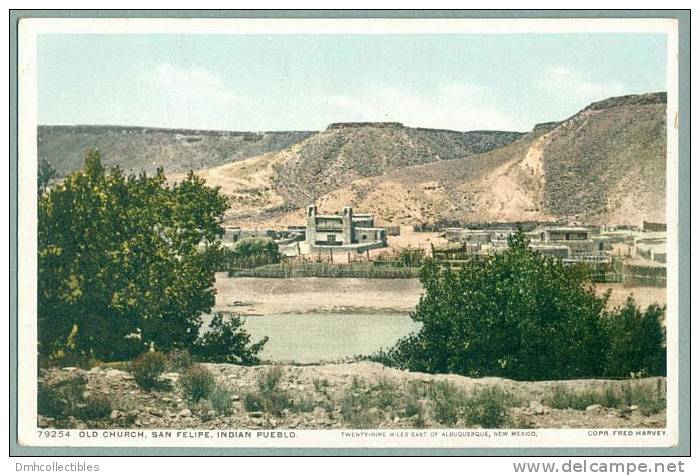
(306, 81)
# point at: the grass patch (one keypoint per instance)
(269, 398)
(650, 398)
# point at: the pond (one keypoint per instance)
(313, 337)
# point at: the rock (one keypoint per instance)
(115, 373)
(634, 407)
(255, 414)
(115, 415)
(536, 408)
(594, 408)
(235, 398)
(155, 412)
(173, 376)
(69, 369)
(185, 412)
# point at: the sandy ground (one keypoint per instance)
(264, 296)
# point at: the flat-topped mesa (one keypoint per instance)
(629, 100)
(357, 125)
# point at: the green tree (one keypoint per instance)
(637, 341)
(45, 173)
(251, 252)
(125, 261)
(514, 314)
(227, 341)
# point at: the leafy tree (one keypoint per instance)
(515, 314)
(45, 174)
(637, 341)
(226, 341)
(125, 261)
(518, 314)
(251, 252)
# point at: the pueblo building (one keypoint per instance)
(347, 231)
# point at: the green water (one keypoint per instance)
(308, 338)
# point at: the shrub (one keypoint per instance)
(227, 341)
(320, 384)
(203, 409)
(62, 398)
(649, 396)
(256, 251)
(197, 383)
(147, 368)
(447, 401)
(269, 398)
(268, 381)
(303, 404)
(253, 402)
(221, 400)
(488, 408)
(97, 407)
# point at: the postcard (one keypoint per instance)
(445, 233)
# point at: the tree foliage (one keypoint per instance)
(226, 341)
(516, 314)
(125, 261)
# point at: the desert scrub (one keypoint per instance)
(203, 409)
(147, 369)
(95, 408)
(488, 408)
(650, 397)
(61, 399)
(303, 404)
(447, 401)
(197, 383)
(320, 385)
(268, 398)
(221, 400)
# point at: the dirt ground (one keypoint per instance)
(266, 296)
(326, 391)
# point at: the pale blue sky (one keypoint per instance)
(285, 82)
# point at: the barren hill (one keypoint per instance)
(144, 149)
(269, 186)
(605, 164)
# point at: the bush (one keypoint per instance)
(147, 368)
(61, 399)
(203, 409)
(221, 400)
(97, 407)
(226, 341)
(269, 398)
(488, 408)
(197, 383)
(520, 315)
(252, 252)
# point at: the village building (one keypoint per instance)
(346, 231)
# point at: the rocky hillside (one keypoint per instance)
(345, 395)
(605, 164)
(141, 148)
